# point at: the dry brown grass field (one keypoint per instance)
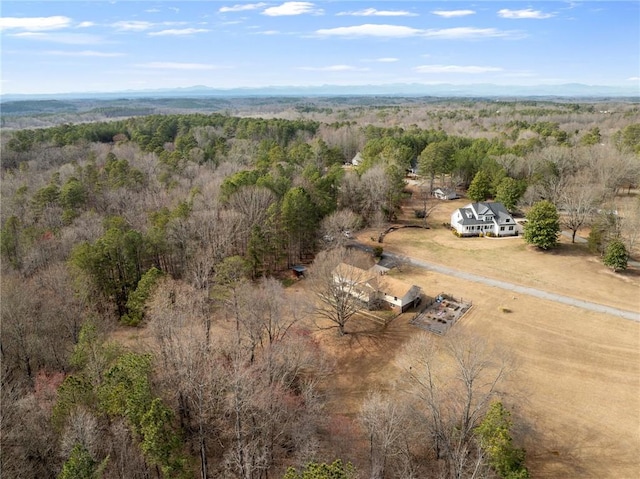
(576, 390)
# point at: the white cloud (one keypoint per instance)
(153, 10)
(64, 38)
(267, 32)
(291, 8)
(370, 30)
(386, 60)
(242, 7)
(177, 32)
(34, 24)
(468, 33)
(633, 79)
(85, 53)
(372, 12)
(527, 13)
(455, 69)
(453, 13)
(177, 66)
(85, 24)
(132, 25)
(399, 31)
(334, 68)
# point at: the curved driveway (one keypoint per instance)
(538, 293)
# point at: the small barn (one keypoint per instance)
(446, 194)
(398, 294)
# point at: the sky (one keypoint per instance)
(99, 46)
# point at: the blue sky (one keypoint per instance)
(80, 46)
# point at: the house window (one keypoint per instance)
(507, 220)
(510, 228)
(502, 228)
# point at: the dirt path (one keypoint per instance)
(598, 308)
(538, 293)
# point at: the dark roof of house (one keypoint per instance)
(468, 218)
(298, 268)
(472, 210)
(497, 209)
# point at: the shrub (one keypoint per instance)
(616, 256)
(543, 225)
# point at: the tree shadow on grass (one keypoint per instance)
(550, 456)
(377, 337)
(571, 249)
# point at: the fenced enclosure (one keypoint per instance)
(441, 313)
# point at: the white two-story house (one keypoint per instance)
(483, 218)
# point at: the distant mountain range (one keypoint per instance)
(576, 90)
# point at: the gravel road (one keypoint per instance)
(538, 293)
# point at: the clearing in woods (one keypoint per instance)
(577, 388)
(576, 394)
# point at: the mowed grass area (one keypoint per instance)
(569, 269)
(576, 392)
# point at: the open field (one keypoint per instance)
(575, 396)
(576, 393)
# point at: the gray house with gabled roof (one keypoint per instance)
(446, 194)
(484, 218)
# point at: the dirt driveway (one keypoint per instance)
(599, 308)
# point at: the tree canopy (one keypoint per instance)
(542, 226)
(616, 256)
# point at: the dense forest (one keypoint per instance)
(187, 224)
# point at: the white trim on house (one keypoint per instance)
(484, 218)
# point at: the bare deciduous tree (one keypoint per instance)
(455, 383)
(390, 432)
(337, 228)
(428, 202)
(29, 445)
(578, 202)
(630, 226)
(555, 165)
(340, 286)
(611, 168)
(252, 204)
(181, 323)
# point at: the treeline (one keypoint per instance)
(179, 223)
